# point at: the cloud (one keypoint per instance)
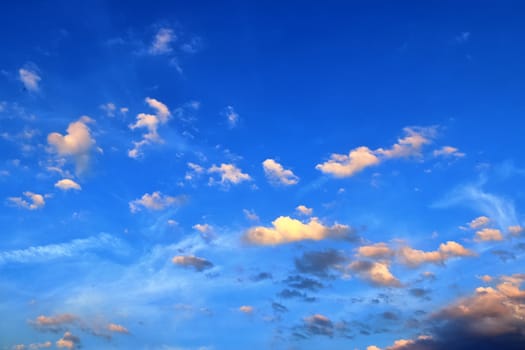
(68, 184)
(515, 230)
(109, 108)
(276, 174)
(151, 123)
(53, 251)
(250, 215)
(203, 228)
(479, 222)
(320, 263)
(30, 78)
(155, 201)
(53, 323)
(229, 174)
(77, 143)
(112, 327)
(341, 165)
(488, 234)
(448, 151)
(377, 273)
(304, 210)
(286, 230)
(372, 347)
(162, 41)
(318, 324)
(246, 309)
(411, 144)
(199, 264)
(68, 341)
(414, 257)
(231, 116)
(36, 201)
(377, 250)
(33, 346)
(300, 282)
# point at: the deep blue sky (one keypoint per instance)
(195, 175)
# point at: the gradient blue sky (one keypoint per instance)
(277, 175)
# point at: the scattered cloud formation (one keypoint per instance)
(68, 341)
(488, 234)
(67, 184)
(232, 117)
(341, 165)
(414, 257)
(36, 201)
(30, 78)
(276, 174)
(304, 210)
(229, 174)
(319, 324)
(286, 230)
(162, 42)
(112, 327)
(479, 222)
(199, 264)
(250, 215)
(77, 143)
(410, 145)
(448, 151)
(151, 123)
(155, 201)
(378, 273)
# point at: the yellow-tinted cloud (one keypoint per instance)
(68, 184)
(68, 341)
(112, 327)
(341, 165)
(488, 234)
(377, 273)
(415, 257)
(304, 210)
(448, 151)
(285, 230)
(276, 173)
(377, 250)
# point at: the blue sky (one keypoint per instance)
(196, 175)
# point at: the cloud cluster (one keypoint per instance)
(190, 261)
(378, 273)
(286, 230)
(229, 174)
(36, 201)
(277, 174)
(68, 341)
(342, 165)
(155, 201)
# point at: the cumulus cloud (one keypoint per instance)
(229, 174)
(112, 327)
(162, 42)
(341, 165)
(488, 234)
(304, 210)
(414, 257)
(377, 250)
(318, 324)
(411, 144)
(35, 201)
(277, 174)
(246, 309)
(155, 201)
(68, 341)
(377, 273)
(67, 184)
(479, 222)
(76, 144)
(199, 264)
(30, 78)
(151, 123)
(286, 230)
(448, 151)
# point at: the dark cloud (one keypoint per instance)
(319, 263)
(279, 307)
(504, 255)
(318, 325)
(420, 293)
(300, 282)
(292, 293)
(389, 315)
(261, 276)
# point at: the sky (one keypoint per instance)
(198, 175)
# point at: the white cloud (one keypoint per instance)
(67, 184)
(29, 78)
(154, 201)
(277, 174)
(304, 210)
(229, 174)
(414, 257)
(479, 222)
(162, 41)
(203, 228)
(112, 327)
(162, 110)
(377, 273)
(36, 201)
(68, 341)
(109, 108)
(199, 264)
(246, 309)
(250, 215)
(286, 230)
(232, 117)
(411, 144)
(77, 143)
(488, 234)
(341, 165)
(448, 151)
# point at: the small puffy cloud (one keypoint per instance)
(162, 42)
(35, 201)
(68, 341)
(195, 170)
(341, 165)
(377, 250)
(112, 327)
(77, 143)
(515, 230)
(199, 264)
(411, 144)
(246, 309)
(229, 174)
(318, 324)
(250, 215)
(203, 228)
(286, 230)
(404, 343)
(232, 117)
(377, 273)
(414, 257)
(304, 210)
(372, 347)
(109, 108)
(486, 278)
(30, 78)
(479, 222)
(68, 184)
(151, 123)
(488, 234)
(448, 151)
(276, 174)
(155, 201)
